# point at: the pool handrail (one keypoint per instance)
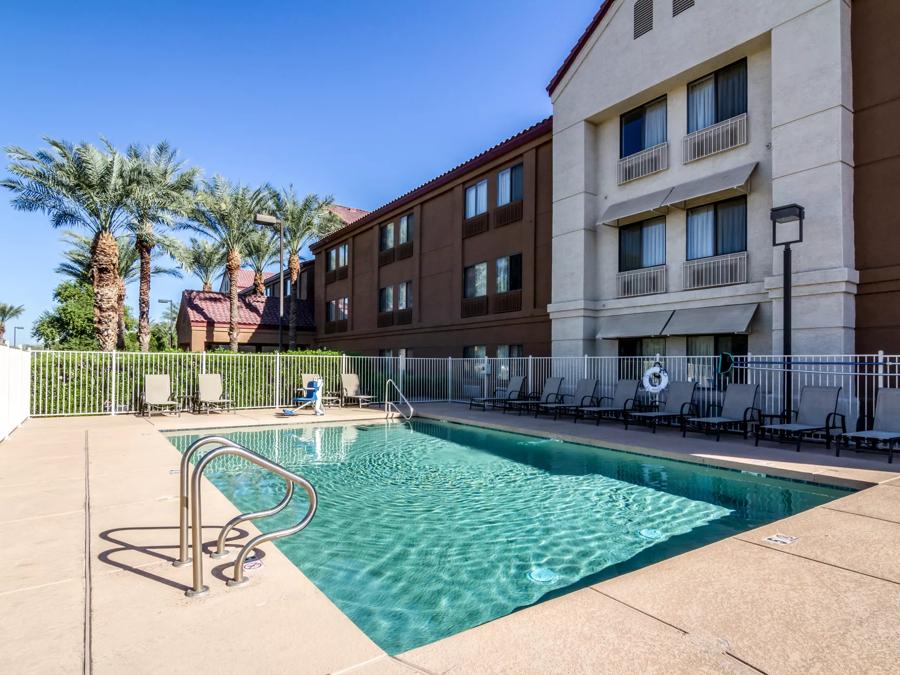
(388, 405)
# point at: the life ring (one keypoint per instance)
(656, 378)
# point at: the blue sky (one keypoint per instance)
(359, 100)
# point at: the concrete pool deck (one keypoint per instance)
(89, 514)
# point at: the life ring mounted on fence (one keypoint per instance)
(656, 378)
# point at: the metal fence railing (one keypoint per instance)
(14, 375)
(94, 383)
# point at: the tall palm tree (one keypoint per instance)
(7, 313)
(204, 259)
(79, 186)
(224, 213)
(161, 190)
(260, 252)
(305, 220)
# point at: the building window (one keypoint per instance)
(476, 199)
(717, 229)
(642, 245)
(510, 351)
(474, 352)
(718, 97)
(337, 310)
(337, 257)
(509, 185)
(405, 229)
(648, 347)
(643, 128)
(386, 299)
(475, 281)
(386, 237)
(509, 273)
(404, 295)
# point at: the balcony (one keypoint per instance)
(385, 319)
(474, 306)
(715, 139)
(721, 270)
(641, 282)
(510, 301)
(475, 225)
(508, 214)
(404, 250)
(386, 257)
(643, 163)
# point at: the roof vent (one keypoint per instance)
(643, 17)
(678, 6)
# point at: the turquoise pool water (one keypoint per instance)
(429, 529)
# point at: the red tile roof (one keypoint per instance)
(347, 213)
(582, 41)
(206, 308)
(545, 126)
(245, 279)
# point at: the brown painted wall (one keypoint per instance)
(436, 268)
(876, 101)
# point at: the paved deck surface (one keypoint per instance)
(88, 511)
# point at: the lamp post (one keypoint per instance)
(787, 229)
(16, 330)
(172, 305)
(271, 221)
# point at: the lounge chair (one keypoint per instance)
(513, 390)
(737, 410)
(612, 407)
(679, 404)
(350, 383)
(817, 413)
(311, 398)
(884, 428)
(158, 395)
(566, 403)
(550, 394)
(210, 393)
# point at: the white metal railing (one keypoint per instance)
(391, 405)
(643, 163)
(641, 282)
(720, 270)
(715, 139)
(15, 373)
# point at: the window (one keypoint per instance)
(394, 353)
(509, 185)
(718, 97)
(642, 245)
(386, 237)
(509, 273)
(386, 299)
(405, 230)
(474, 352)
(475, 282)
(404, 295)
(643, 17)
(337, 257)
(510, 351)
(476, 199)
(717, 229)
(643, 128)
(337, 310)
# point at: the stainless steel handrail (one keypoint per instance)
(390, 404)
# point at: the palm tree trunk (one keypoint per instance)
(105, 272)
(145, 250)
(207, 287)
(120, 314)
(232, 265)
(294, 268)
(2, 333)
(258, 286)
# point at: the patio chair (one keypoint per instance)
(679, 404)
(817, 413)
(210, 394)
(158, 395)
(584, 395)
(351, 389)
(549, 394)
(737, 410)
(884, 428)
(514, 389)
(612, 407)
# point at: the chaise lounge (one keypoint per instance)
(884, 428)
(549, 394)
(158, 396)
(817, 413)
(617, 405)
(210, 394)
(566, 403)
(738, 410)
(514, 390)
(679, 404)
(352, 391)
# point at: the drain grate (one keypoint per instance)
(783, 539)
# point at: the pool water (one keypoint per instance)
(426, 529)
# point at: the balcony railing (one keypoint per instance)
(404, 250)
(641, 282)
(644, 163)
(508, 214)
(510, 301)
(386, 319)
(385, 257)
(715, 139)
(722, 270)
(474, 306)
(475, 225)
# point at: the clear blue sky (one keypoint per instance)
(357, 99)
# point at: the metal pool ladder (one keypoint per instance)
(227, 447)
(390, 405)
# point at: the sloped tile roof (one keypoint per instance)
(347, 213)
(209, 307)
(576, 50)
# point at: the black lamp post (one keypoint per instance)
(787, 229)
(271, 221)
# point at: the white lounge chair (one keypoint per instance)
(352, 391)
(158, 396)
(210, 393)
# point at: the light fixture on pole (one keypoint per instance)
(787, 229)
(271, 221)
(172, 305)
(16, 329)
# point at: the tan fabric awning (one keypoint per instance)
(728, 183)
(640, 324)
(711, 320)
(648, 205)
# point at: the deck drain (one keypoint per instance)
(543, 575)
(783, 539)
(650, 533)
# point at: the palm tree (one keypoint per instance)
(86, 187)
(260, 252)
(161, 190)
(224, 213)
(204, 259)
(305, 220)
(7, 313)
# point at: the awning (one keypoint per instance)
(641, 324)
(726, 184)
(711, 320)
(645, 205)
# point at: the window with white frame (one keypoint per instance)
(642, 245)
(718, 97)
(475, 281)
(643, 128)
(717, 229)
(476, 199)
(510, 185)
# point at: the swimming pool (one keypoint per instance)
(426, 529)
